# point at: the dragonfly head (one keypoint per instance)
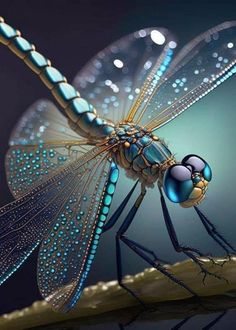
(186, 183)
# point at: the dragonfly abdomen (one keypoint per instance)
(81, 114)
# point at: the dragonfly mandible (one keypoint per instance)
(63, 164)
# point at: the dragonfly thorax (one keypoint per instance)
(142, 154)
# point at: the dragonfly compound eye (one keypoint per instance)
(186, 183)
(199, 165)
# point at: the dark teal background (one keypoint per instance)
(70, 33)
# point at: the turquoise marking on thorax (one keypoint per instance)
(133, 151)
(156, 153)
(145, 140)
(142, 154)
(102, 216)
(139, 164)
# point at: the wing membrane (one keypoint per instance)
(201, 66)
(24, 222)
(40, 123)
(113, 79)
(65, 258)
(41, 144)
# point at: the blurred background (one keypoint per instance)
(70, 33)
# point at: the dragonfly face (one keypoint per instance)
(186, 183)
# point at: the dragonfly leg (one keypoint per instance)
(155, 263)
(150, 252)
(182, 322)
(140, 250)
(212, 231)
(215, 321)
(190, 252)
(123, 228)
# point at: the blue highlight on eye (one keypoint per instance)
(207, 173)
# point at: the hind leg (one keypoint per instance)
(145, 253)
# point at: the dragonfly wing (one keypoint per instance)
(41, 144)
(113, 79)
(202, 65)
(24, 222)
(41, 122)
(67, 252)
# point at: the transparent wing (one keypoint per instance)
(42, 122)
(24, 222)
(113, 79)
(67, 252)
(202, 65)
(41, 144)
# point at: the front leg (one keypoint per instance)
(123, 228)
(192, 253)
(145, 253)
(213, 232)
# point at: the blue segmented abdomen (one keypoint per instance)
(102, 217)
(81, 115)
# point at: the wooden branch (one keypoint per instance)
(104, 301)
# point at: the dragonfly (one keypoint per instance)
(63, 162)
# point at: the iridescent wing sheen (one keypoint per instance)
(41, 122)
(202, 65)
(114, 78)
(67, 252)
(24, 222)
(41, 144)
